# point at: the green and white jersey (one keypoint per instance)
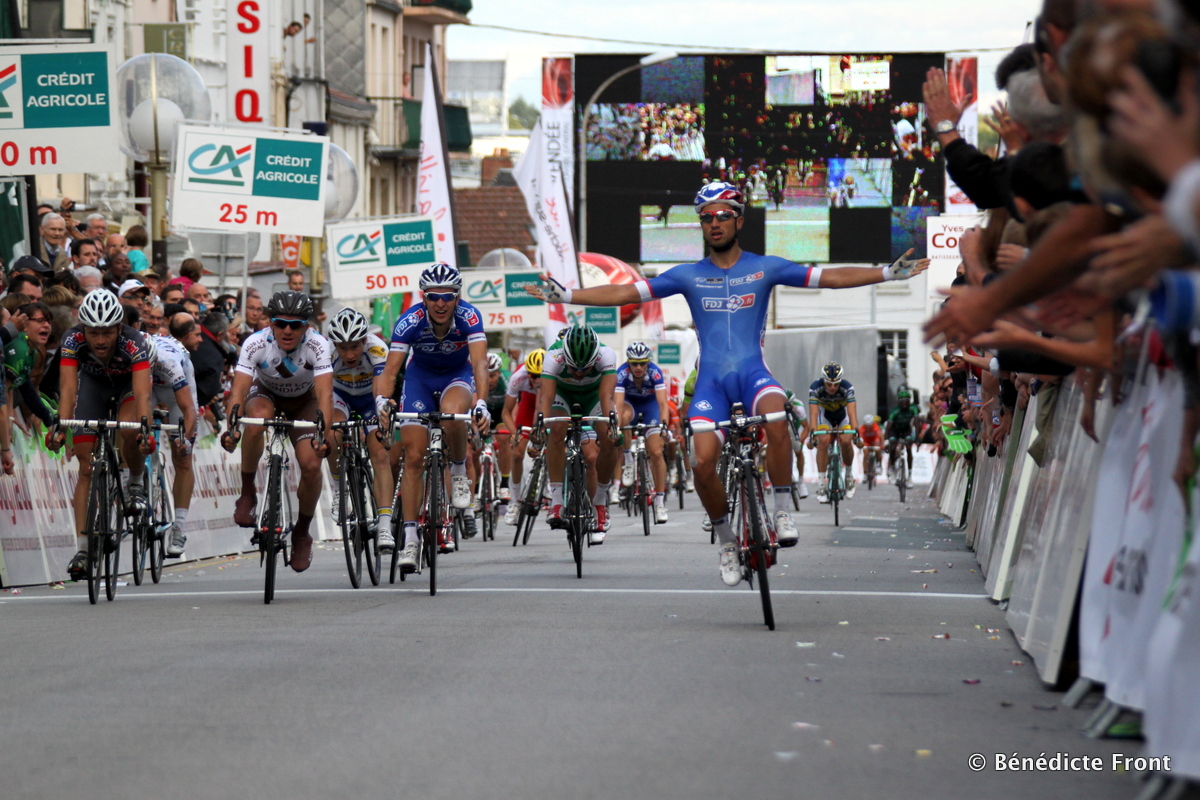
(555, 368)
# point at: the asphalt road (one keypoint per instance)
(645, 679)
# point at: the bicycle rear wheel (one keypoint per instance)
(759, 544)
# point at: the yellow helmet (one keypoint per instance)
(533, 361)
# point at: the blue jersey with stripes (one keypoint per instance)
(414, 332)
(729, 306)
(651, 381)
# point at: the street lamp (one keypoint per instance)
(645, 61)
(342, 176)
(154, 93)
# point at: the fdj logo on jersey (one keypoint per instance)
(359, 248)
(220, 164)
(731, 303)
(483, 292)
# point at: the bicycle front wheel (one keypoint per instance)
(646, 494)
(97, 530)
(577, 517)
(349, 515)
(270, 532)
(759, 544)
(140, 537)
(902, 477)
(435, 519)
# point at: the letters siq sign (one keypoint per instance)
(52, 99)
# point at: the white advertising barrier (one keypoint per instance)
(1108, 520)
(380, 257)
(241, 179)
(985, 485)
(56, 110)
(1171, 725)
(36, 523)
(1007, 542)
(1002, 483)
(1049, 580)
(1141, 569)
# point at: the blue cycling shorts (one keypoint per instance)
(420, 384)
(715, 396)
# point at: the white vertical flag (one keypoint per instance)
(433, 171)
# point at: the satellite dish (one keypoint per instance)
(505, 258)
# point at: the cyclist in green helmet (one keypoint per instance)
(901, 428)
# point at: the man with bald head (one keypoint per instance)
(199, 292)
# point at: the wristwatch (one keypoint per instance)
(945, 126)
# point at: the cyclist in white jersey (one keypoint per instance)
(359, 356)
(286, 368)
(175, 390)
(582, 372)
(728, 293)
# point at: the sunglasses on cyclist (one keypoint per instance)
(294, 324)
(707, 217)
(441, 297)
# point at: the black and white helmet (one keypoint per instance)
(494, 362)
(347, 326)
(441, 276)
(637, 351)
(101, 310)
(290, 304)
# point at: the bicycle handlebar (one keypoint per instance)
(706, 427)
(101, 423)
(431, 416)
(296, 424)
(548, 420)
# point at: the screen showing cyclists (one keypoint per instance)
(641, 393)
(284, 369)
(441, 345)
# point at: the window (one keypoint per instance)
(896, 343)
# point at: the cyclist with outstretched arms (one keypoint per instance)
(832, 406)
(286, 369)
(901, 428)
(443, 342)
(582, 372)
(520, 410)
(358, 359)
(175, 390)
(641, 389)
(728, 293)
(104, 367)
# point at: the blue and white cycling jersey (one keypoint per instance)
(651, 382)
(359, 379)
(413, 332)
(729, 309)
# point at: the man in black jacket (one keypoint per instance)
(208, 359)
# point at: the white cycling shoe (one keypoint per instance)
(660, 513)
(460, 491)
(706, 524)
(785, 530)
(731, 567)
(385, 541)
(510, 516)
(803, 490)
(627, 475)
(408, 557)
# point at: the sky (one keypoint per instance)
(715, 25)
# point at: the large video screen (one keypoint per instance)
(832, 152)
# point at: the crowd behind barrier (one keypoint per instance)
(1090, 552)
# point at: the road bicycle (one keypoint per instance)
(358, 510)
(106, 519)
(899, 464)
(489, 485)
(756, 540)
(274, 529)
(640, 496)
(679, 482)
(434, 522)
(150, 530)
(578, 513)
(835, 488)
(871, 456)
(531, 499)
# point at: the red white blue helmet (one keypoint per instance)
(441, 276)
(721, 192)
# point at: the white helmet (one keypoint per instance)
(493, 362)
(348, 325)
(869, 419)
(101, 310)
(638, 351)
